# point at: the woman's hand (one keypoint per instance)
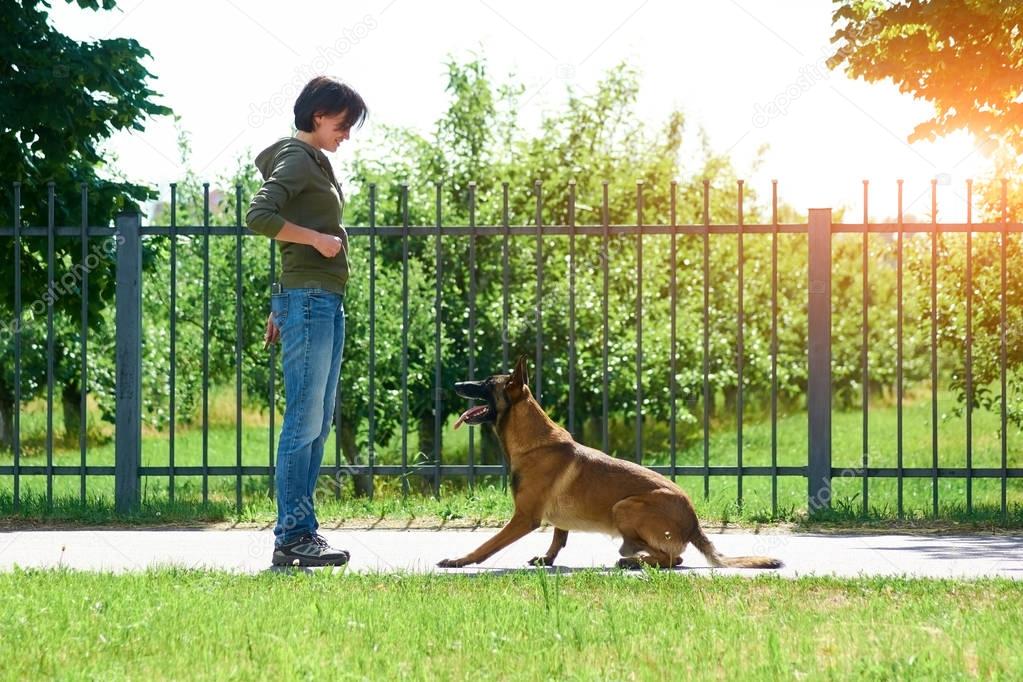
(273, 334)
(328, 245)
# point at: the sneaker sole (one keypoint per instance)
(307, 562)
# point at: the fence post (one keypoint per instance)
(818, 398)
(128, 317)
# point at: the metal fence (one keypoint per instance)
(818, 470)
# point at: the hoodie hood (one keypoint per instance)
(265, 159)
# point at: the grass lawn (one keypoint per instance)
(490, 503)
(169, 623)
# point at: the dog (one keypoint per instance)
(577, 488)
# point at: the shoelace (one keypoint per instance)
(322, 542)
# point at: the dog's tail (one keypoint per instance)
(706, 547)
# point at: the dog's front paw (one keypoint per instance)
(452, 563)
(540, 561)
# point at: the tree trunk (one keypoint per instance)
(6, 423)
(363, 482)
(71, 398)
(425, 433)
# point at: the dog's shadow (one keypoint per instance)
(567, 570)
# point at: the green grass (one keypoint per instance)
(489, 503)
(170, 623)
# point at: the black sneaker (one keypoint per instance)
(309, 550)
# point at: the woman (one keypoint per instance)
(300, 204)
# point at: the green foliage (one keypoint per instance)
(986, 333)
(479, 146)
(59, 100)
(963, 56)
(221, 334)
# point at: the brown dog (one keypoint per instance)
(573, 487)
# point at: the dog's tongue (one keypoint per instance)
(475, 409)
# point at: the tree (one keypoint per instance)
(963, 56)
(966, 58)
(595, 137)
(59, 100)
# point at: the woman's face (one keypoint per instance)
(330, 131)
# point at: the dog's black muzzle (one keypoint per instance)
(472, 389)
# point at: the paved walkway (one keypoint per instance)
(419, 550)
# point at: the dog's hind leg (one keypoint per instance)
(559, 540)
(648, 536)
(635, 553)
(631, 551)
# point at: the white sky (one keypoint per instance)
(232, 68)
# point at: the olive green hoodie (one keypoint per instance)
(299, 187)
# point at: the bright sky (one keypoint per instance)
(232, 68)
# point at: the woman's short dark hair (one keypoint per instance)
(328, 96)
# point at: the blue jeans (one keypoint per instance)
(312, 336)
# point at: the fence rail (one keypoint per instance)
(818, 470)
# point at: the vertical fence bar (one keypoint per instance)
(50, 230)
(819, 366)
(238, 333)
(404, 335)
(934, 347)
(605, 214)
(1002, 243)
(17, 346)
(273, 373)
(128, 320)
(205, 342)
(639, 322)
(173, 345)
(774, 348)
(571, 307)
(506, 304)
(706, 339)
(539, 291)
(372, 333)
(438, 377)
(505, 277)
(969, 347)
(673, 368)
(472, 322)
(740, 351)
(865, 324)
(83, 404)
(898, 353)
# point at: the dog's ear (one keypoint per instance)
(519, 376)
